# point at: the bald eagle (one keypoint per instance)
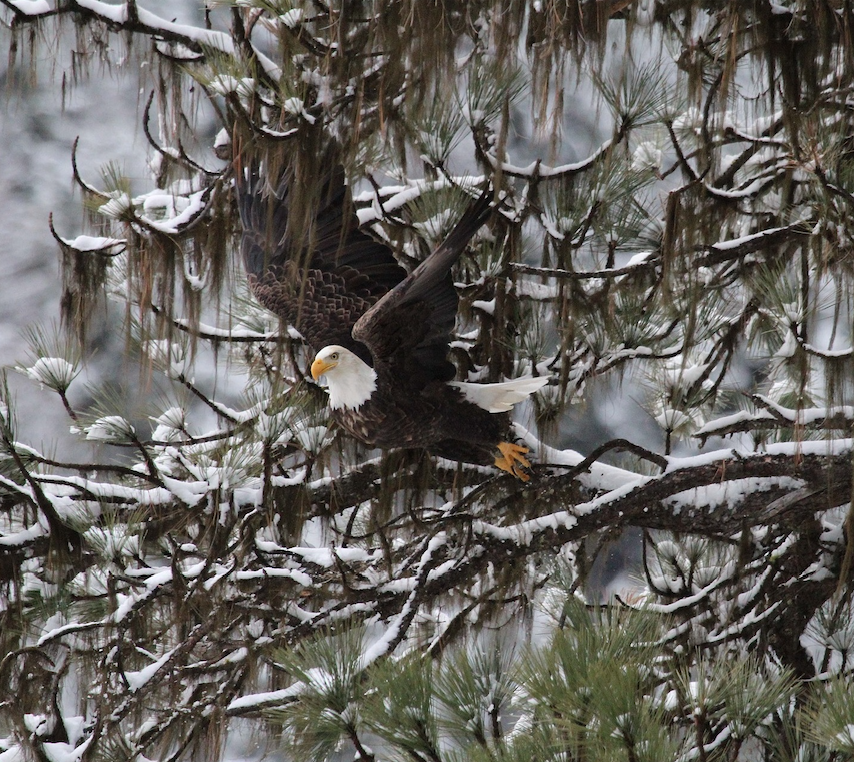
(380, 336)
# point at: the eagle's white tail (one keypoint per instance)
(500, 398)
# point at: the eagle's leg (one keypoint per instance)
(513, 460)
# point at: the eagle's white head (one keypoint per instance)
(351, 381)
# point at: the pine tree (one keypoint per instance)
(215, 567)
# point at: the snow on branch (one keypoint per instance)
(536, 170)
(771, 415)
(769, 238)
(131, 17)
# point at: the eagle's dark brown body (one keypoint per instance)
(436, 417)
(338, 286)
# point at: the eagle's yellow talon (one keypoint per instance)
(513, 460)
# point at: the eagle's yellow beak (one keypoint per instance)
(319, 367)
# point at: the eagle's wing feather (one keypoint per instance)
(412, 323)
(320, 276)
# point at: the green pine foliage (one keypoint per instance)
(600, 687)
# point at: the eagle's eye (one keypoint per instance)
(333, 356)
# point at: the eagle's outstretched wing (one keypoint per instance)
(320, 275)
(410, 326)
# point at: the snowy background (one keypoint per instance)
(37, 135)
(37, 132)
